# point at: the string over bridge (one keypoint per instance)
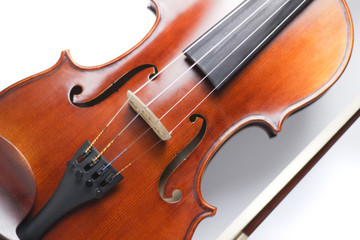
(149, 117)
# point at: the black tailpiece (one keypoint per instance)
(84, 180)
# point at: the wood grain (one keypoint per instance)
(17, 189)
(38, 118)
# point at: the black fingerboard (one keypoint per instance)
(234, 41)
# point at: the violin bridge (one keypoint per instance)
(149, 117)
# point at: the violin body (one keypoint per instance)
(48, 116)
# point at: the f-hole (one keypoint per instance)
(179, 158)
(76, 90)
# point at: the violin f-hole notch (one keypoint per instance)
(178, 160)
(114, 87)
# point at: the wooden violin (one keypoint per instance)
(125, 144)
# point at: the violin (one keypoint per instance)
(121, 131)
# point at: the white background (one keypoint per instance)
(326, 203)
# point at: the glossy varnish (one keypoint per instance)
(38, 118)
(17, 191)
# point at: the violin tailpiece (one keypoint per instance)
(84, 180)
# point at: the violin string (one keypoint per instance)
(245, 59)
(164, 90)
(161, 71)
(173, 82)
(154, 145)
(190, 89)
(242, 62)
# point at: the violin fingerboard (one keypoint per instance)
(234, 41)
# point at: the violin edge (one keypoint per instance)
(65, 54)
(272, 126)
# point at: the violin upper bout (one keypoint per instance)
(17, 189)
